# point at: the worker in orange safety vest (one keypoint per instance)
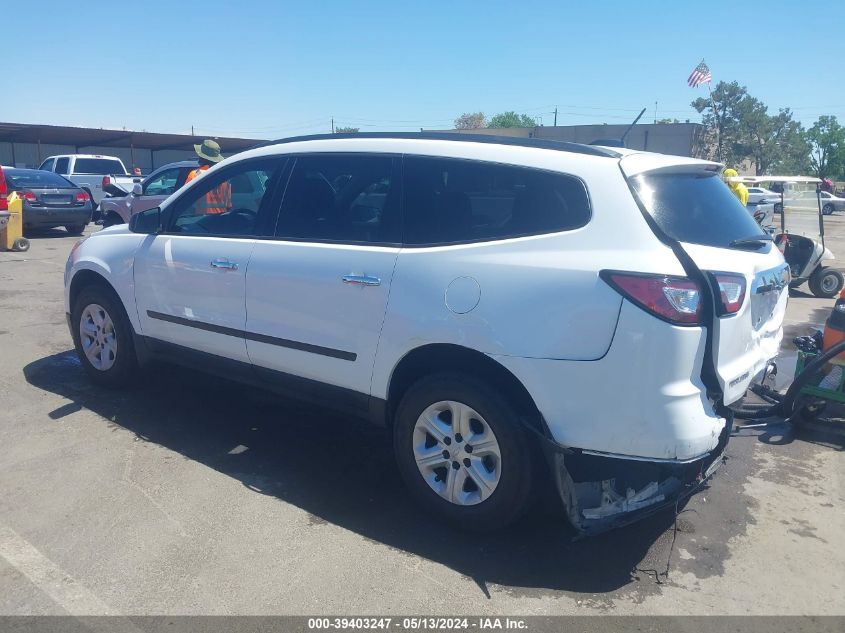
(219, 199)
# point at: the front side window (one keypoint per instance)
(452, 200)
(341, 197)
(62, 165)
(162, 184)
(227, 203)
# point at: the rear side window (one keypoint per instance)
(695, 208)
(452, 200)
(61, 165)
(97, 166)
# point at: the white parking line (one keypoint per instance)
(64, 590)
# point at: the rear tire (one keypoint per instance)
(778, 208)
(75, 229)
(480, 488)
(20, 245)
(826, 282)
(102, 335)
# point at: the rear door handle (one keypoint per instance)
(361, 280)
(224, 264)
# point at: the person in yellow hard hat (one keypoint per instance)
(738, 189)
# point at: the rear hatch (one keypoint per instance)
(692, 207)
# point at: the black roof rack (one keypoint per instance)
(541, 143)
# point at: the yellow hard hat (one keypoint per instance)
(730, 172)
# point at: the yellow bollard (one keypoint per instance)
(11, 238)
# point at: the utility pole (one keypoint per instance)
(332, 125)
(555, 116)
(192, 130)
(655, 111)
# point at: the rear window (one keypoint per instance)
(97, 166)
(453, 200)
(34, 179)
(695, 208)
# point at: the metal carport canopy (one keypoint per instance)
(81, 137)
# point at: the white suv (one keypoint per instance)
(512, 310)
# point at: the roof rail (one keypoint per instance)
(560, 146)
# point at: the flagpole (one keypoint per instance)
(715, 114)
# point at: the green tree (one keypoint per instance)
(346, 130)
(722, 137)
(775, 143)
(741, 128)
(827, 147)
(471, 121)
(512, 119)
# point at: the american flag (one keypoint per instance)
(701, 75)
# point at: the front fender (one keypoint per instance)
(827, 254)
(112, 258)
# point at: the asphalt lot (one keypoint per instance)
(188, 495)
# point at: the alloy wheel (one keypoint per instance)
(457, 453)
(97, 337)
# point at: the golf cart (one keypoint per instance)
(801, 237)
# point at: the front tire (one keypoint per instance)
(462, 452)
(778, 208)
(20, 245)
(826, 282)
(102, 336)
(827, 209)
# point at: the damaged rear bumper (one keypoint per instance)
(602, 491)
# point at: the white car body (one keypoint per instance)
(610, 380)
(756, 195)
(67, 165)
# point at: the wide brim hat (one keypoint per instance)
(209, 150)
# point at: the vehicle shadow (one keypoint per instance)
(342, 472)
(47, 234)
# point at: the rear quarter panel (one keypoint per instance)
(535, 297)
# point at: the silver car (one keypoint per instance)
(831, 203)
(147, 194)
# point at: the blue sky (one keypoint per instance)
(272, 69)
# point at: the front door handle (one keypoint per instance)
(361, 280)
(225, 264)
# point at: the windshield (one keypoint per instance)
(35, 179)
(98, 166)
(696, 208)
(801, 210)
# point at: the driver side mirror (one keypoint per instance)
(147, 221)
(137, 190)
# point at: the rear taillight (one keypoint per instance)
(82, 196)
(4, 191)
(106, 181)
(731, 292)
(27, 195)
(673, 299)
